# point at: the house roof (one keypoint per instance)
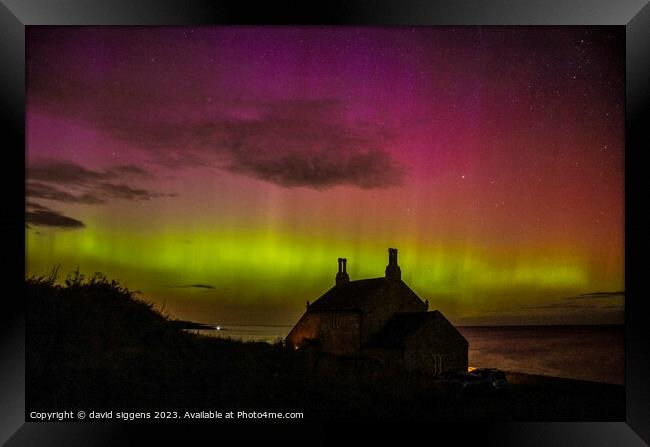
(401, 326)
(353, 295)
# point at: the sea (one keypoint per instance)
(593, 353)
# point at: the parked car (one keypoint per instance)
(462, 381)
(495, 378)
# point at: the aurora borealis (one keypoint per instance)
(223, 170)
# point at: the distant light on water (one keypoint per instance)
(253, 333)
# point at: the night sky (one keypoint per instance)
(221, 171)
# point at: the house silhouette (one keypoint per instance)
(381, 318)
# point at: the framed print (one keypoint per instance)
(191, 172)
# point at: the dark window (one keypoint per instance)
(437, 364)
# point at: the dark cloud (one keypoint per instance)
(45, 178)
(598, 295)
(50, 218)
(43, 191)
(593, 300)
(33, 206)
(297, 142)
(122, 191)
(562, 306)
(306, 143)
(69, 173)
(321, 169)
(65, 173)
(193, 286)
(129, 170)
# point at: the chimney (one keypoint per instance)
(342, 276)
(392, 269)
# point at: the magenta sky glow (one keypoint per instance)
(492, 157)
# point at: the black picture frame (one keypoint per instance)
(634, 15)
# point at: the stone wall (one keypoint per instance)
(390, 359)
(433, 349)
(307, 328)
(397, 297)
(337, 332)
(340, 332)
(436, 348)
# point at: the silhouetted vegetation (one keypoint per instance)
(93, 344)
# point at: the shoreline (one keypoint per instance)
(522, 377)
